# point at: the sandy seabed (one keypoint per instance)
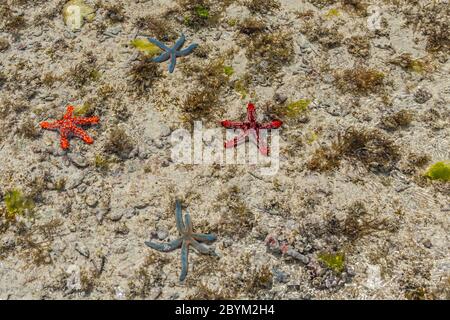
(362, 89)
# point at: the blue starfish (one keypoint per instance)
(188, 237)
(172, 53)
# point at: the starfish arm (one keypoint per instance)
(204, 237)
(275, 124)
(237, 140)
(179, 43)
(232, 124)
(50, 125)
(260, 143)
(159, 44)
(162, 57)
(64, 141)
(200, 247)
(84, 121)
(179, 218)
(186, 51)
(69, 112)
(173, 62)
(251, 113)
(165, 247)
(184, 260)
(78, 132)
(188, 223)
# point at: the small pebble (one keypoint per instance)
(427, 244)
(162, 234)
(91, 200)
(421, 96)
(78, 160)
(280, 276)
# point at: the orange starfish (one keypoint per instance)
(67, 127)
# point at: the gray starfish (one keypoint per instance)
(188, 237)
(172, 53)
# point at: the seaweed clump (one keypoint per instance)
(360, 80)
(11, 22)
(317, 30)
(148, 276)
(212, 78)
(114, 12)
(84, 73)
(119, 143)
(250, 26)
(432, 20)
(237, 220)
(269, 52)
(157, 27)
(400, 119)
(262, 6)
(371, 148)
(144, 74)
(359, 223)
(4, 44)
(358, 46)
(408, 63)
(198, 13)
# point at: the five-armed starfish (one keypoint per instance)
(250, 128)
(67, 127)
(172, 53)
(188, 237)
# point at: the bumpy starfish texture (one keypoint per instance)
(68, 127)
(172, 53)
(250, 128)
(188, 237)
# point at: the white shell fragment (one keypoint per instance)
(76, 12)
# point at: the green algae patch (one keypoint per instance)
(333, 261)
(82, 110)
(17, 204)
(295, 108)
(145, 46)
(333, 13)
(202, 12)
(439, 171)
(228, 70)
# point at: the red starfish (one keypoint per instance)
(251, 126)
(67, 127)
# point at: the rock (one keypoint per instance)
(227, 243)
(100, 214)
(141, 203)
(82, 249)
(114, 31)
(280, 276)
(421, 96)
(73, 282)
(162, 234)
(280, 98)
(164, 131)
(91, 200)
(427, 244)
(82, 188)
(75, 180)
(78, 160)
(116, 215)
(297, 255)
